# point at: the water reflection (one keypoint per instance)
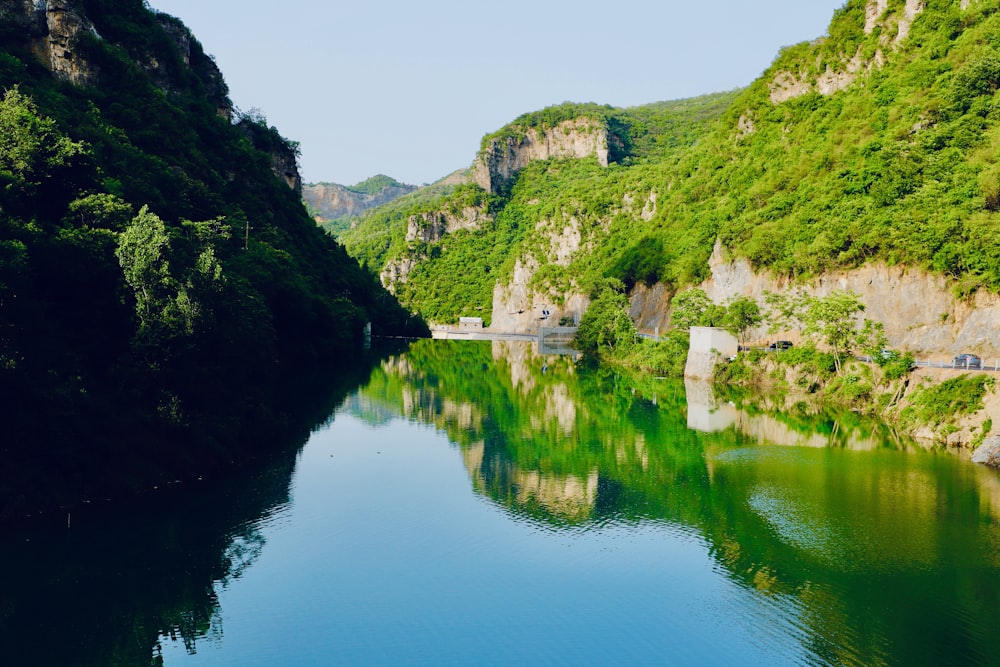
(105, 583)
(824, 510)
(835, 542)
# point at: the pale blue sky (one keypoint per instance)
(409, 88)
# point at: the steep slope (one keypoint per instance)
(331, 205)
(158, 272)
(873, 144)
(497, 226)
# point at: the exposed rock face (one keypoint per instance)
(496, 166)
(398, 271)
(285, 165)
(192, 56)
(333, 201)
(788, 85)
(425, 228)
(433, 226)
(519, 308)
(988, 452)
(918, 309)
(52, 29)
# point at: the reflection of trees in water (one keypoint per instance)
(106, 590)
(817, 511)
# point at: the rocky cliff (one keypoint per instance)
(840, 72)
(53, 30)
(330, 201)
(424, 229)
(500, 160)
(919, 309)
(57, 33)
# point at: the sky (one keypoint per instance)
(408, 88)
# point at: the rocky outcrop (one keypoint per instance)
(433, 226)
(895, 26)
(52, 30)
(397, 271)
(330, 201)
(918, 309)
(498, 163)
(988, 453)
(517, 307)
(191, 56)
(427, 228)
(285, 165)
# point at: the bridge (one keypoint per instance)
(556, 340)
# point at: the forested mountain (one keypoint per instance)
(876, 143)
(333, 206)
(160, 279)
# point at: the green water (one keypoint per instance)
(474, 503)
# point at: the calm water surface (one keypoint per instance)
(475, 503)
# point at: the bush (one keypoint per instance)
(939, 404)
(666, 357)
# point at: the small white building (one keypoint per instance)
(470, 323)
(707, 346)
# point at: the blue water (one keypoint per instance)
(385, 556)
(480, 504)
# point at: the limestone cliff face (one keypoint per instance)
(52, 29)
(918, 309)
(331, 201)
(193, 57)
(433, 226)
(427, 228)
(894, 28)
(285, 165)
(503, 157)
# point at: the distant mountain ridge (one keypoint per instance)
(328, 202)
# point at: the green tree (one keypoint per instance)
(143, 255)
(102, 211)
(872, 341)
(832, 319)
(742, 314)
(693, 308)
(30, 145)
(606, 324)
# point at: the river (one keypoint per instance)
(476, 503)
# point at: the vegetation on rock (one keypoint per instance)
(897, 163)
(156, 276)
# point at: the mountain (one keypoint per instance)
(865, 157)
(161, 283)
(485, 228)
(332, 203)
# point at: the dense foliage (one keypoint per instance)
(900, 166)
(156, 277)
(521, 220)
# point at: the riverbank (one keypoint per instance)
(938, 406)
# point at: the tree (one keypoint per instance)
(30, 145)
(833, 320)
(784, 310)
(693, 308)
(872, 341)
(142, 253)
(606, 324)
(742, 314)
